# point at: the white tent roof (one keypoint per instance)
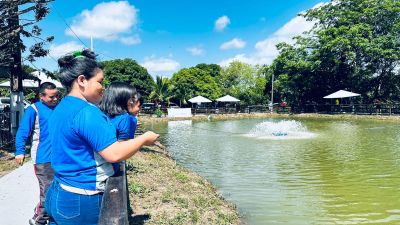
(26, 83)
(199, 99)
(228, 98)
(342, 94)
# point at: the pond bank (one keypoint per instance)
(162, 192)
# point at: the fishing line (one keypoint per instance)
(206, 129)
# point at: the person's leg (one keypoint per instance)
(49, 202)
(44, 174)
(91, 207)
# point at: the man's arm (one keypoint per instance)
(24, 131)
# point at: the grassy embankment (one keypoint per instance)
(162, 192)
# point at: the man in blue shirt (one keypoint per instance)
(35, 124)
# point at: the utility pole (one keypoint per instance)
(91, 43)
(272, 94)
(17, 94)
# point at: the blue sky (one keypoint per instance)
(167, 35)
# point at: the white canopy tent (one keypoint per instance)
(228, 98)
(26, 83)
(199, 99)
(342, 94)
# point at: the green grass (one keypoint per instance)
(180, 218)
(166, 196)
(182, 177)
(136, 188)
(226, 218)
(8, 163)
(182, 202)
(194, 215)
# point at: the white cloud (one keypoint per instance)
(133, 40)
(57, 51)
(159, 65)
(221, 23)
(106, 21)
(196, 51)
(234, 43)
(294, 27)
(249, 59)
(265, 50)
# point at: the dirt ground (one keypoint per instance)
(162, 192)
(7, 162)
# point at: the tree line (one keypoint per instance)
(354, 45)
(209, 80)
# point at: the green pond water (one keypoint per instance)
(309, 172)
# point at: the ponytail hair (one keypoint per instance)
(75, 64)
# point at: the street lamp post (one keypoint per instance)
(91, 43)
(272, 94)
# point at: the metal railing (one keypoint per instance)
(114, 208)
(359, 109)
(6, 137)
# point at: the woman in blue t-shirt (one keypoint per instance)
(84, 144)
(121, 102)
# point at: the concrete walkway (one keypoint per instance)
(19, 194)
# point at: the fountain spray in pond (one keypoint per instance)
(285, 129)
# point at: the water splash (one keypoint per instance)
(285, 129)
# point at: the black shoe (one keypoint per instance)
(33, 222)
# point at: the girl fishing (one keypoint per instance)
(121, 103)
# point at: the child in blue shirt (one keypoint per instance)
(121, 103)
(84, 144)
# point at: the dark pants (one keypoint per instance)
(44, 174)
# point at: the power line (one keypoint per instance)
(69, 27)
(34, 66)
(207, 129)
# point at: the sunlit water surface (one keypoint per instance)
(309, 172)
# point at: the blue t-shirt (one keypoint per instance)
(125, 125)
(79, 131)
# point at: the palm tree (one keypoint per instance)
(181, 92)
(160, 93)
